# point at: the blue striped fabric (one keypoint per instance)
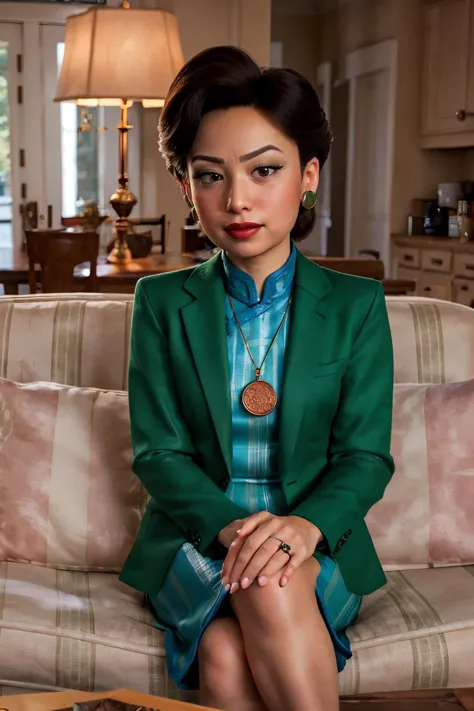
(192, 594)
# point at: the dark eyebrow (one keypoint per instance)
(259, 151)
(243, 159)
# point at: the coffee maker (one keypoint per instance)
(436, 219)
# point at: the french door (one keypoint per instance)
(54, 157)
(11, 160)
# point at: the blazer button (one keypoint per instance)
(223, 482)
(194, 538)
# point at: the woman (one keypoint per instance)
(261, 397)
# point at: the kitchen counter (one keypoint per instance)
(424, 242)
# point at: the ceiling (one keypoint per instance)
(306, 7)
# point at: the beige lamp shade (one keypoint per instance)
(117, 53)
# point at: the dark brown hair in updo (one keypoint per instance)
(224, 77)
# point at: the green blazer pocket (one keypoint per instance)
(335, 366)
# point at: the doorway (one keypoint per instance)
(339, 114)
(371, 75)
(317, 241)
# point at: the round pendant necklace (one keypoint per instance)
(259, 397)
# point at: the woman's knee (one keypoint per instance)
(221, 654)
(269, 604)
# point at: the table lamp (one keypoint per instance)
(113, 57)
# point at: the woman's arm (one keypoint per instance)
(360, 465)
(164, 452)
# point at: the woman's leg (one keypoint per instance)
(288, 647)
(224, 676)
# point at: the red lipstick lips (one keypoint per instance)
(242, 230)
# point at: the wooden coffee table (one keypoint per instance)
(443, 700)
(63, 699)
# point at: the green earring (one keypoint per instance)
(309, 200)
(194, 214)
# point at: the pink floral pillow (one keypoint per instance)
(68, 496)
(427, 513)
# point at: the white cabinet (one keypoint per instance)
(463, 292)
(448, 74)
(442, 268)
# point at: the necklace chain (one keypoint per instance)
(258, 370)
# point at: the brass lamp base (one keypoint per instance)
(120, 253)
(123, 202)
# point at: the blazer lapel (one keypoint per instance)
(304, 350)
(204, 322)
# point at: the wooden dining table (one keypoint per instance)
(111, 278)
(122, 278)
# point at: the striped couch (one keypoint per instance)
(67, 626)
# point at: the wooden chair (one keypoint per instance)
(153, 222)
(79, 221)
(74, 221)
(392, 287)
(371, 268)
(57, 252)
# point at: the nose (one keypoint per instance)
(238, 196)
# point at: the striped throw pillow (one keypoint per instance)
(68, 496)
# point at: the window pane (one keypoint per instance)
(5, 158)
(80, 153)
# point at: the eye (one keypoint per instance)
(213, 177)
(263, 170)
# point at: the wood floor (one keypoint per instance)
(413, 701)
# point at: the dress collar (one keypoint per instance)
(241, 286)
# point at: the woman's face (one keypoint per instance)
(243, 169)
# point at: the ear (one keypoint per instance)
(311, 175)
(185, 190)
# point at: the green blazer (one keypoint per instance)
(334, 418)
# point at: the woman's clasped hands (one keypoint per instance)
(253, 548)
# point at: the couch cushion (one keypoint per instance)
(76, 341)
(433, 340)
(68, 494)
(88, 631)
(426, 514)
(75, 630)
(83, 339)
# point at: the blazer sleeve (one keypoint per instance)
(164, 454)
(360, 465)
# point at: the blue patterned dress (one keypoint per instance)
(192, 594)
